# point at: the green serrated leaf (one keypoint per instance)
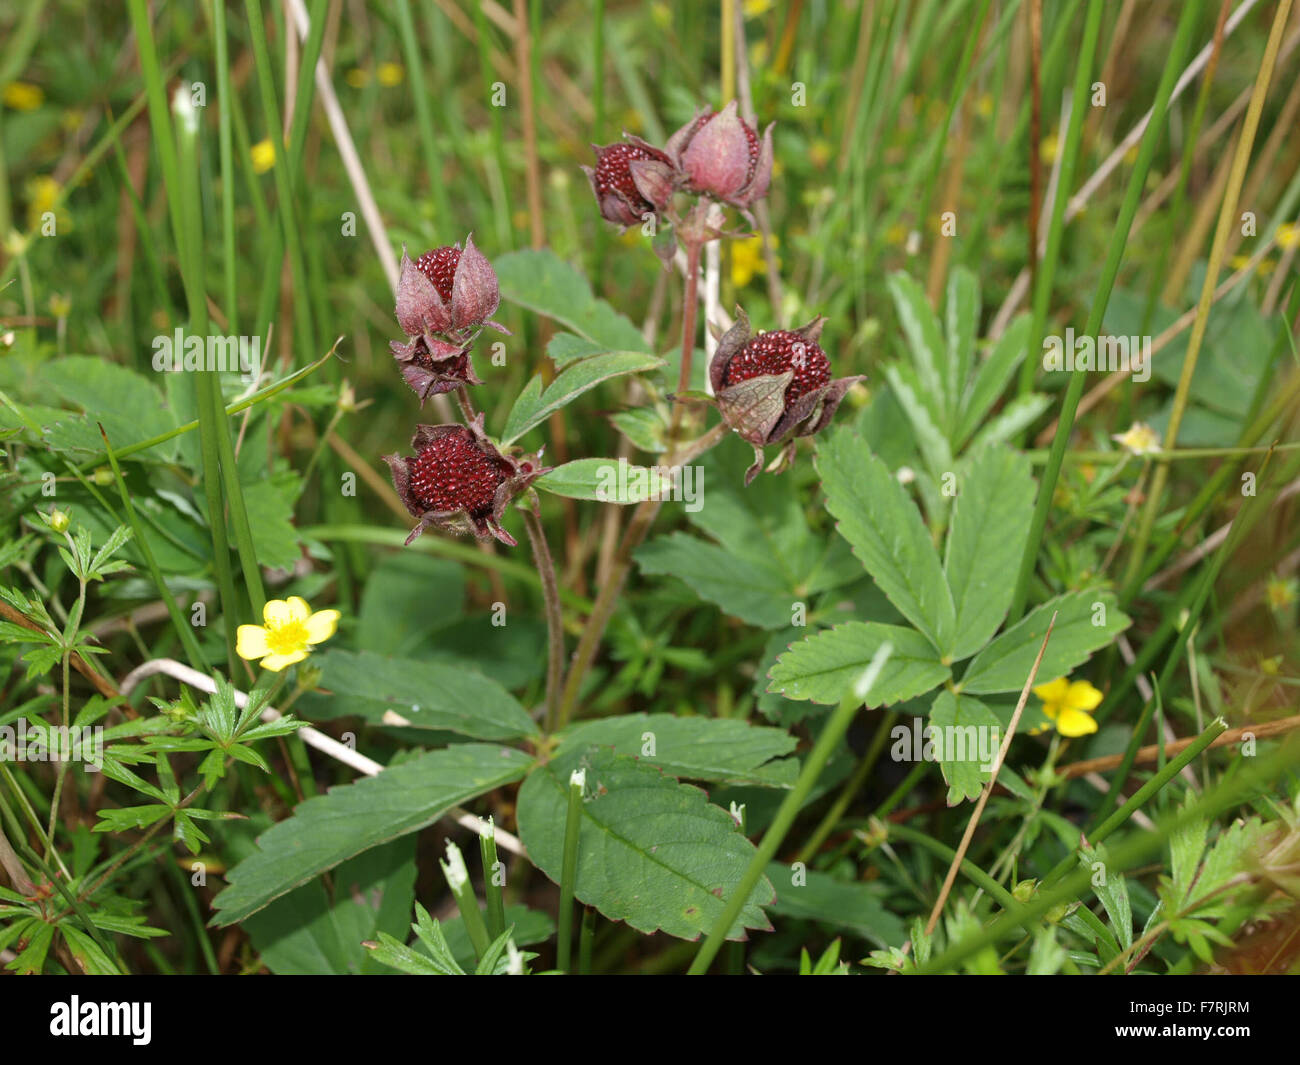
(967, 738)
(825, 666)
(652, 852)
(606, 481)
(990, 524)
(330, 828)
(1086, 621)
(694, 748)
(534, 405)
(886, 532)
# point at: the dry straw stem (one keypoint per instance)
(310, 736)
(1262, 731)
(1227, 219)
(951, 878)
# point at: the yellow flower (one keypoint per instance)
(263, 154)
(357, 77)
(755, 8)
(1140, 439)
(23, 96)
(391, 74)
(1070, 704)
(984, 105)
(42, 197)
(1280, 593)
(1288, 236)
(290, 634)
(746, 258)
(1049, 148)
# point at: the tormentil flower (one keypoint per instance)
(23, 96)
(459, 482)
(291, 633)
(1140, 439)
(721, 154)
(775, 387)
(1070, 704)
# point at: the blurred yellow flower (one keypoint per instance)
(357, 78)
(290, 634)
(747, 258)
(1140, 439)
(1288, 235)
(984, 105)
(1280, 592)
(391, 74)
(23, 96)
(754, 8)
(72, 119)
(1048, 148)
(263, 156)
(42, 196)
(1070, 704)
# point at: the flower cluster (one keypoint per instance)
(716, 154)
(773, 387)
(457, 480)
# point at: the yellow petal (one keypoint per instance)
(322, 625)
(1053, 691)
(1073, 723)
(1082, 696)
(298, 608)
(275, 663)
(1050, 710)
(251, 642)
(276, 612)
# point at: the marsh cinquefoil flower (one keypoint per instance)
(631, 180)
(459, 482)
(1070, 704)
(290, 633)
(775, 387)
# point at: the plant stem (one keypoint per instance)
(569, 872)
(851, 789)
(586, 936)
(785, 816)
(496, 909)
(554, 617)
(457, 877)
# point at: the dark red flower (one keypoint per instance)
(459, 482)
(775, 387)
(448, 291)
(722, 155)
(632, 179)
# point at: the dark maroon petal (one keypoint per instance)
(474, 293)
(419, 308)
(654, 180)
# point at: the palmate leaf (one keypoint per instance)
(330, 828)
(990, 524)
(886, 532)
(825, 666)
(651, 852)
(1086, 621)
(694, 748)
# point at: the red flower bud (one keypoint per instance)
(721, 154)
